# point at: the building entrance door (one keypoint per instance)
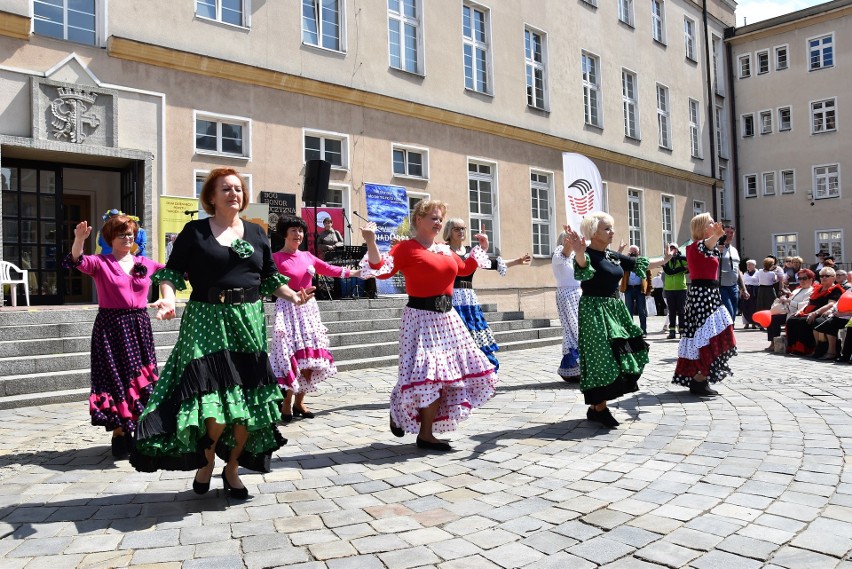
(75, 208)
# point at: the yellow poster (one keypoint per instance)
(174, 214)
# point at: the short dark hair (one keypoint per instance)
(285, 222)
(117, 225)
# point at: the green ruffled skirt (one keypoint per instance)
(612, 351)
(219, 369)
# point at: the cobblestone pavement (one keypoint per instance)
(758, 477)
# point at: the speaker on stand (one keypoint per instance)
(315, 192)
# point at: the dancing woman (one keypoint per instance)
(465, 301)
(442, 373)
(217, 392)
(708, 341)
(300, 356)
(568, 294)
(123, 360)
(613, 353)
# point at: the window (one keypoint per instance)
(404, 46)
(591, 90)
(830, 240)
(785, 119)
(748, 125)
(476, 48)
(821, 52)
(625, 11)
(534, 57)
(337, 196)
(751, 185)
(781, 61)
(786, 245)
(658, 21)
(634, 217)
(667, 205)
(694, 129)
(718, 65)
(410, 162)
(72, 20)
(201, 175)
(541, 213)
(322, 24)
(698, 207)
(689, 39)
(222, 134)
(723, 193)
(663, 123)
(768, 183)
(482, 200)
(765, 122)
(333, 148)
(826, 181)
(788, 181)
(631, 107)
(721, 135)
(762, 62)
(591, 2)
(822, 116)
(745, 66)
(225, 11)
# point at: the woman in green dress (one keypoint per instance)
(217, 393)
(612, 350)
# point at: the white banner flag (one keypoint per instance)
(583, 188)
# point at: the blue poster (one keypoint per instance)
(387, 207)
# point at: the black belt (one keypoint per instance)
(709, 283)
(233, 296)
(463, 284)
(613, 294)
(766, 286)
(440, 303)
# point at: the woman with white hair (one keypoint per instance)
(568, 294)
(748, 306)
(465, 301)
(612, 350)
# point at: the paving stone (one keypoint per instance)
(601, 550)
(513, 555)
(795, 558)
(748, 547)
(667, 553)
(724, 560)
(694, 539)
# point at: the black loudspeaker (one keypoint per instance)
(315, 190)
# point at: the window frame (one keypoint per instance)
(776, 51)
(785, 250)
(764, 53)
(341, 38)
(328, 135)
(810, 52)
(721, 132)
(549, 221)
(407, 148)
(825, 112)
(667, 200)
(626, 14)
(658, 21)
(690, 46)
(635, 196)
(764, 127)
(494, 217)
(783, 180)
(220, 119)
(475, 45)
(245, 14)
(827, 175)
(781, 127)
(745, 119)
(747, 178)
(744, 66)
(695, 146)
(718, 63)
(630, 105)
(592, 90)
(532, 64)
(417, 24)
(664, 124)
(698, 207)
(100, 28)
(826, 245)
(767, 183)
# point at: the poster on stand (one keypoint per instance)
(174, 213)
(387, 207)
(280, 204)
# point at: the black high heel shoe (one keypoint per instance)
(236, 493)
(429, 445)
(397, 431)
(200, 487)
(302, 413)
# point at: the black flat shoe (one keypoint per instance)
(433, 446)
(397, 431)
(604, 417)
(286, 418)
(119, 447)
(236, 493)
(302, 413)
(200, 487)
(701, 388)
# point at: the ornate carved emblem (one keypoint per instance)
(71, 109)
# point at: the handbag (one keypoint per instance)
(778, 307)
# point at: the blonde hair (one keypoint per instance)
(591, 222)
(449, 224)
(798, 261)
(424, 207)
(698, 224)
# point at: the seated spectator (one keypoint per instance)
(801, 337)
(840, 278)
(795, 303)
(797, 263)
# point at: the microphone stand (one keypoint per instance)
(348, 224)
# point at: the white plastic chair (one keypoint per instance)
(6, 269)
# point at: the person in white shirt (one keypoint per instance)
(748, 305)
(567, 302)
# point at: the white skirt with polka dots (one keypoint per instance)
(438, 360)
(299, 344)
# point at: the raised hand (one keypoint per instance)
(526, 259)
(368, 232)
(576, 241)
(621, 246)
(82, 230)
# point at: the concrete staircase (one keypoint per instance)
(44, 352)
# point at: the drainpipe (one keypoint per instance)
(711, 104)
(732, 120)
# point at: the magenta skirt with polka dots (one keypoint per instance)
(439, 360)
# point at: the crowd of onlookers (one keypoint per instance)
(801, 299)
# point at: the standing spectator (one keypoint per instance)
(636, 289)
(730, 278)
(675, 289)
(767, 279)
(748, 305)
(817, 267)
(328, 239)
(658, 284)
(708, 342)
